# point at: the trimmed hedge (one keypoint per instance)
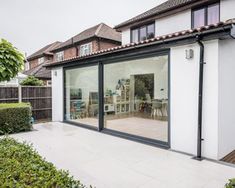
(22, 166)
(15, 117)
(231, 184)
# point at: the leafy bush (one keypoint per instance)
(12, 61)
(22, 166)
(15, 117)
(231, 184)
(32, 81)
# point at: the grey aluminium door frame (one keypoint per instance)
(101, 128)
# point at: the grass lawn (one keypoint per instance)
(21, 166)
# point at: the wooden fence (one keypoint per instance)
(38, 96)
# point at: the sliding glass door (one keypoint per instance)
(81, 96)
(136, 97)
(133, 95)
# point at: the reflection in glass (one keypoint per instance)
(143, 33)
(81, 91)
(136, 97)
(199, 18)
(135, 35)
(213, 14)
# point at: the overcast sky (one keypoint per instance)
(32, 24)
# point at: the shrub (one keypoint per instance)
(12, 61)
(15, 117)
(31, 81)
(22, 166)
(231, 184)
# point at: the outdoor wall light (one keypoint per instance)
(189, 53)
(55, 73)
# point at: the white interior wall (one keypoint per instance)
(57, 94)
(87, 78)
(184, 100)
(157, 66)
(226, 97)
(84, 78)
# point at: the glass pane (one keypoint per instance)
(151, 31)
(81, 92)
(213, 14)
(199, 18)
(136, 97)
(143, 33)
(135, 35)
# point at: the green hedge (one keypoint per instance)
(22, 167)
(231, 184)
(15, 117)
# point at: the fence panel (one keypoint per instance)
(38, 96)
(8, 94)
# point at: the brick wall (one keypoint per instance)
(33, 63)
(106, 44)
(69, 53)
(96, 46)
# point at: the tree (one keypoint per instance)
(31, 81)
(11, 61)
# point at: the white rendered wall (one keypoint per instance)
(57, 94)
(126, 36)
(226, 97)
(227, 10)
(173, 23)
(184, 100)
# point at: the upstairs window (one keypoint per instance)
(59, 56)
(205, 15)
(41, 60)
(143, 33)
(85, 49)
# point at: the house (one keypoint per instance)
(34, 64)
(169, 84)
(91, 40)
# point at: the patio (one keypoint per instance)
(105, 161)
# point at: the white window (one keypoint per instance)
(85, 49)
(59, 56)
(41, 60)
(26, 66)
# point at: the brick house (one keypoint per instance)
(94, 39)
(35, 62)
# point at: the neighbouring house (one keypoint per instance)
(14, 81)
(96, 38)
(169, 84)
(91, 40)
(34, 64)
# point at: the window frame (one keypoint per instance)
(59, 54)
(88, 46)
(138, 30)
(41, 60)
(205, 7)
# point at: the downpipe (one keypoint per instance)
(200, 99)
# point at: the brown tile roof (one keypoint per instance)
(101, 30)
(45, 50)
(150, 41)
(39, 71)
(160, 9)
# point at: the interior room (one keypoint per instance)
(135, 97)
